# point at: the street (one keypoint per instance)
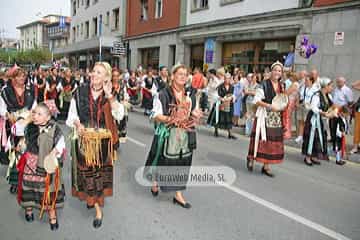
(301, 202)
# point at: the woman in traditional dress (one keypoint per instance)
(292, 91)
(222, 111)
(266, 140)
(147, 99)
(66, 87)
(93, 106)
(119, 91)
(176, 114)
(314, 147)
(40, 181)
(16, 101)
(133, 88)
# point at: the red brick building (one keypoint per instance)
(145, 16)
(321, 3)
(151, 27)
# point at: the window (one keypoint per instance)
(87, 29)
(87, 3)
(77, 31)
(74, 33)
(116, 19)
(95, 28)
(158, 8)
(226, 2)
(82, 29)
(74, 8)
(78, 3)
(95, 2)
(107, 19)
(199, 4)
(82, 2)
(144, 10)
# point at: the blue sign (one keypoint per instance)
(209, 50)
(210, 44)
(62, 22)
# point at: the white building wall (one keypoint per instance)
(217, 11)
(84, 14)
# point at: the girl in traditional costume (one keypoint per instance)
(266, 139)
(314, 147)
(40, 167)
(222, 111)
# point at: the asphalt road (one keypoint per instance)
(301, 202)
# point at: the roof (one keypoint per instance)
(41, 21)
(45, 21)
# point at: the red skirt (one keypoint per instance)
(270, 151)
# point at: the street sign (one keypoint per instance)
(339, 38)
(118, 48)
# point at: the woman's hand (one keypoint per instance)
(196, 114)
(79, 127)
(107, 86)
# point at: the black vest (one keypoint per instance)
(83, 107)
(166, 98)
(8, 94)
(269, 91)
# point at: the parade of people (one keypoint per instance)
(134, 124)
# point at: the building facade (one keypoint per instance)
(58, 34)
(35, 34)
(247, 34)
(151, 31)
(95, 27)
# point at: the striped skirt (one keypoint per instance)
(33, 185)
(91, 184)
(270, 151)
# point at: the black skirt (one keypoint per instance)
(181, 165)
(317, 151)
(225, 118)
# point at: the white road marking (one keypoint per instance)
(136, 142)
(275, 208)
(289, 214)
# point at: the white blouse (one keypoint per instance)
(117, 112)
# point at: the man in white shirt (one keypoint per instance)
(342, 94)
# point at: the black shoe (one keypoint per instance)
(89, 207)
(184, 205)
(315, 162)
(154, 193)
(341, 162)
(97, 222)
(232, 137)
(267, 172)
(250, 167)
(54, 226)
(216, 134)
(29, 217)
(13, 189)
(307, 163)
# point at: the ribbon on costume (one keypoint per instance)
(261, 115)
(315, 125)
